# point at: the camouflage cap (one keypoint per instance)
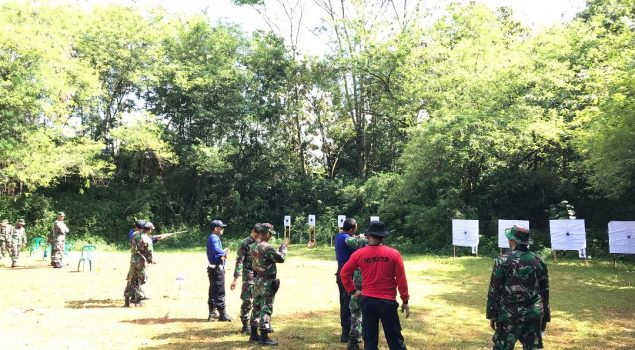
(518, 234)
(61, 213)
(148, 225)
(21, 221)
(140, 224)
(264, 228)
(4, 222)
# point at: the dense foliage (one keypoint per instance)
(112, 114)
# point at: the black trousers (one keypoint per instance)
(345, 300)
(375, 310)
(216, 294)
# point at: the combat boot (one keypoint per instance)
(224, 317)
(353, 344)
(245, 329)
(126, 302)
(13, 264)
(253, 335)
(265, 340)
(213, 315)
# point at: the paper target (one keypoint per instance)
(465, 234)
(568, 234)
(374, 218)
(311, 220)
(340, 220)
(622, 237)
(287, 221)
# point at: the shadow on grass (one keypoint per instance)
(311, 330)
(165, 320)
(93, 304)
(31, 267)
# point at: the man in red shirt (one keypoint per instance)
(383, 273)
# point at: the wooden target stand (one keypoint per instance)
(312, 241)
(555, 258)
(454, 249)
(287, 233)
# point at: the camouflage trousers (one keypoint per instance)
(265, 289)
(508, 332)
(3, 248)
(137, 277)
(247, 295)
(14, 251)
(57, 251)
(356, 318)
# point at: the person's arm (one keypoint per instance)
(210, 249)
(543, 283)
(494, 292)
(356, 242)
(240, 258)
(400, 278)
(346, 274)
(217, 247)
(279, 255)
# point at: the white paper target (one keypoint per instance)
(567, 234)
(465, 234)
(287, 221)
(340, 220)
(503, 242)
(622, 237)
(311, 220)
(374, 218)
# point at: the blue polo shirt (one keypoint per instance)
(214, 250)
(342, 251)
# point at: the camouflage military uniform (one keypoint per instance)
(244, 266)
(57, 238)
(5, 232)
(264, 258)
(356, 311)
(518, 299)
(15, 242)
(140, 255)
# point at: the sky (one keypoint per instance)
(536, 14)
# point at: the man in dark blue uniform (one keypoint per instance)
(216, 257)
(342, 254)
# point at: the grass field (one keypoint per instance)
(43, 308)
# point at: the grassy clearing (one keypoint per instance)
(42, 308)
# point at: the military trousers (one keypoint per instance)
(526, 331)
(57, 251)
(247, 295)
(375, 310)
(14, 251)
(216, 292)
(265, 289)
(137, 277)
(356, 318)
(345, 299)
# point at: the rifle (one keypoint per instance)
(165, 235)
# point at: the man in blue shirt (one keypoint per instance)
(342, 253)
(216, 257)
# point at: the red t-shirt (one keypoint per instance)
(382, 272)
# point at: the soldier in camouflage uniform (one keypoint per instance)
(56, 239)
(15, 241)
(356, 242)
(264, 258)
(244, 265)
(140, 256)
(5, 231)
(518, 296)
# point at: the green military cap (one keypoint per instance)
(518, 234)
(21, 221)
(269, 228)
(61, 213)
(4, 222)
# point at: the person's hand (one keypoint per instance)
(226, 250)
(405, 308)
(357, 294)
(492, 324)
(233, 285)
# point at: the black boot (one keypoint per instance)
(253, 336)
(13, 264)
(223, 316)
(213, 314)
(353, 344)
(265, 340)
(245, 329)
(126, 302)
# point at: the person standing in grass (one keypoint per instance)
(216, 258)
(57, 238)
(355, 242)
(342, 254)
(264, 258)
(140, 255)
(16, 241)
(518, 295)
(6, 230)
(244, 265)
(383, 273)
